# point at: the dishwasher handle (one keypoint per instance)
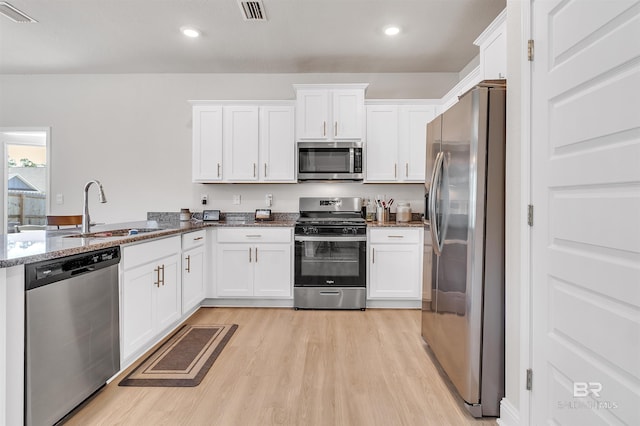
(50, 271)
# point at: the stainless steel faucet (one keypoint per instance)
(85, 214)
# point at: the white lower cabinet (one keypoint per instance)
(151, 292)
(395, 263)
(254, 262)
(193, 269)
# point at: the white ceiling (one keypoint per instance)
(300, 36)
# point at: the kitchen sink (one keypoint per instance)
(114, 233)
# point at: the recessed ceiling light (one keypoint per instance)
(190, 32)
(391, 31)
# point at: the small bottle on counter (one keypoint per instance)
(403, 213)
(371, 211)
(185, 215)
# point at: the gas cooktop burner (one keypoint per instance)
(331, 221)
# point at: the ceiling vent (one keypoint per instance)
(14, 14)
(252, 10)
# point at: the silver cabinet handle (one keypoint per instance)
(256, 254)
(395, 236)
(198, 239)
(188, 268)
(335, 131)
(254, 169)
(330, 293)
(249, 254)
(265, 169)
(157, 271)
(218, 169)
(395, 170)
(373, 255)
(406, 166)
(163, 275)
(324, 128)
(253, 235)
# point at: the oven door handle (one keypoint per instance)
(330, 238)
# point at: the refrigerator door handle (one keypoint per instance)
(435, 177)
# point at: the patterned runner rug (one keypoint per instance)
(184, 359)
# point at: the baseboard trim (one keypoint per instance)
(394, 304)
(509, 415)
(248, 303)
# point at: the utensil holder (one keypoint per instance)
(382, 214)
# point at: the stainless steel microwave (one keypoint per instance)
(330, 161)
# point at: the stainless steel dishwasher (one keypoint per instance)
(72, 337)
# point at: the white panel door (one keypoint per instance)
(413, 120)
(272, 274)
(312, 114)
(382, 143)
(169, 302)
(193, 272)
(241, 142)
(394, 271)
(585, 263)
(234, 270)
(348, 114)
(138, 312)
(277, 144)
(207, 143)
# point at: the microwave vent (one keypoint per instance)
(14, 14)
(252, 10)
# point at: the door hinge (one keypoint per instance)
(530, 50)
(530, 215)
(529, 379)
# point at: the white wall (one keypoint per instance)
(133, 133)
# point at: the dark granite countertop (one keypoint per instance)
(34, 246)
(412, 224)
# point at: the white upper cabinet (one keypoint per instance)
(382, 143)
(493, 49)
(243, 141)
(241, 138)
(277, 144)
(396, 141)
(207, 143)
(330, 112)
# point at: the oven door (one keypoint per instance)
(330, 261)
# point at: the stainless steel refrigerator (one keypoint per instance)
(463, 293)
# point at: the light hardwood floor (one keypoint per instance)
(286, 367)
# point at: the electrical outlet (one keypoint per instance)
(203, 199)
(236, 199)
(59, 199)
(268, 200)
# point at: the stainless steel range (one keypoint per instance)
(330, 254)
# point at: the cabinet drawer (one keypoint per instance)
(193, 239)
(145, 252)
(253, 234)
(395, 235)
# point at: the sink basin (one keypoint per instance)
(114, 233)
